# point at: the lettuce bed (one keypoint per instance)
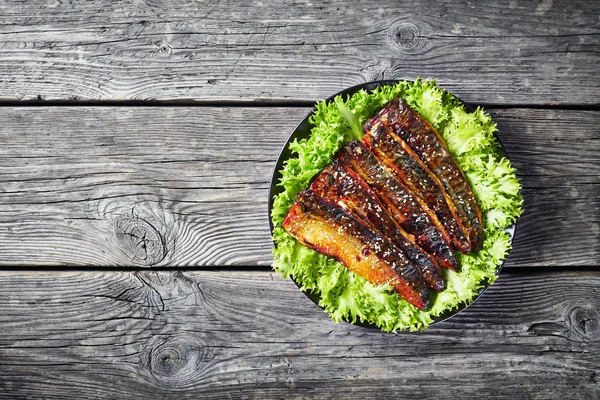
(469, 135)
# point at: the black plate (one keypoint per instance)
(303, 131)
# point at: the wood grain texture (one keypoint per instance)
(252, 335)
(557, 156)
(493, 52)
(188, 186)
(137, 186)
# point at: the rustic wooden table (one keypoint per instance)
(137, 140)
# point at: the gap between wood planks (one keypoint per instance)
(258, 104)
(254, 268)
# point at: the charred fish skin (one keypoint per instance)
(399, 202)
(396, 154)
(348, 189)
(431, 148)
(331, 230)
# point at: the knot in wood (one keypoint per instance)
(164, 49)
(585, 321)
(140, 241)
(178, 360)
(406, 35)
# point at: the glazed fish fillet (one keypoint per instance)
(396, 154)
(332, 230)
(406, 209)
(431, 148)
(344, 187)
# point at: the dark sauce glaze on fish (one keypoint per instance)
(348, 189)
(396, 154)
(404, 208)
(431, 148)
(330, 229)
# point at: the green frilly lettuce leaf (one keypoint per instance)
(470, 138)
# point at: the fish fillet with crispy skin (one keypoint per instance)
(431, 148)
(331, 230)
(405, 208)
(346, 188)
(396, 154)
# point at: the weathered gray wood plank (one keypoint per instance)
(557, 155)
(252, 335)
(185, 186)
(493, 52)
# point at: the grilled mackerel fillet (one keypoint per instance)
(332, 230)
(405, 208)
(431, 148)
(396, 154)
(344, 187)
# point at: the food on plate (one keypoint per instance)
(397, 155)
(427, 143)
(348, 189)
(332, 230)
(401, 204)
(309, 162)
(363, 181)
